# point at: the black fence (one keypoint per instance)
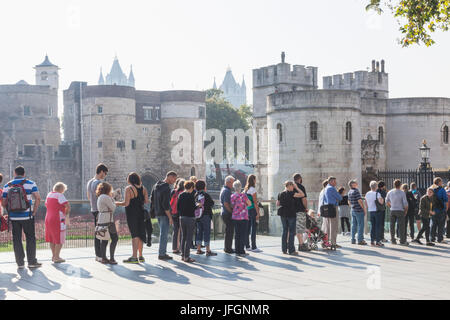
(422, 177)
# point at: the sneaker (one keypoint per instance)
(372, 243)
(141, 259)
(295, 253)
(430, 244)
(230, 251)
(35, 265)
(417, 241)
(22, 266)
(210, 254)
(343, 233)
(353, 241)
(247, 247)
(112, 261)
(347, 233)
(131, 260)
(362, 243)
(379, 244)
(149, 244)
(165, 257)
(256, 250)
(405, 244)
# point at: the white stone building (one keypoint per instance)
(347, 129)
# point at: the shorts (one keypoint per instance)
(300, 223)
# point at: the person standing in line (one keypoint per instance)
(447, 189)
(439, 208)
(301, 205)
(331, 198)
(186, 206)
(358, 212)
(1, 193)
(106, 207)
(425, 212)
(22, 214)
(287, 212)
(160, 200)
(178, 189)
(58, 209)
(396, 201)
(240, 202)
(194, 179)
(253, 213)
(227, 211)
(101, 172)
(136, 196)
(417, 196)
(382, 190)
(204, 222)
(375, 214)
(344, 211)
(411, 214)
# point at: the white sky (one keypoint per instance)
(183, 44)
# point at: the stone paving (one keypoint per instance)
(353, 272)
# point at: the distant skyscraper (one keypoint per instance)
(117, 76)
(233, 92)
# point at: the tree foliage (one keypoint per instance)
(418, 19)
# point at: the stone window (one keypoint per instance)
(133, 144)
(445, 135)
(148, 113)
(381, 135)
(100, 144)
(121, 144)
(145, 130)
(27, 111)
(201, 112)
(280, 132)
(44, 75)
(157, 113)
(348, 131)
(313, 130)
(99, 109)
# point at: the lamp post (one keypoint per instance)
(425, 155)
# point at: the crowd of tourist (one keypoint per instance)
(188, 208)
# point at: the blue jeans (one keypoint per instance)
(438, 222)
(163, 222)
(288, 227)
(252, 225)
(203, 230)
(376, 230)
(240, 234)
(358, 225)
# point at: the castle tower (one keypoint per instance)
(232, 91)
(47, 74)
(101, 80)
(131, 77)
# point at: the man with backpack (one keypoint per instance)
(439, 208)
(18, 197)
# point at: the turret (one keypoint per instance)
(101, 80)
(131, 77)
(47, 74)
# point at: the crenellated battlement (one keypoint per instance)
(282, 73)
(370, 83)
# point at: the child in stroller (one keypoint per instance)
(315, 235)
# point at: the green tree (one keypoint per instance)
(418, 19)
(221, 115)
(246, 112)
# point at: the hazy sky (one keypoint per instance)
(183, 44)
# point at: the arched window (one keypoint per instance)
(381, 135)
(313, 127)
(348, 131)
(280, 132)
(445, 134)
(44, 75)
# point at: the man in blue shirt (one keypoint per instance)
(331, 197)
(227, 210)
(23, 220)
(439, 208)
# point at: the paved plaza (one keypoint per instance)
(353, 272)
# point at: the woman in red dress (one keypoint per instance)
(58, 209)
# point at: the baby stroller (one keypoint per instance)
(315, 235)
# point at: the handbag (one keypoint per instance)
(102, 231)
(328, 211)
(380, 207)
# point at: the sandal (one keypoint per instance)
(176, 252)
(60, 260)
(189, 260)
(200, 252)
(210, 253)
